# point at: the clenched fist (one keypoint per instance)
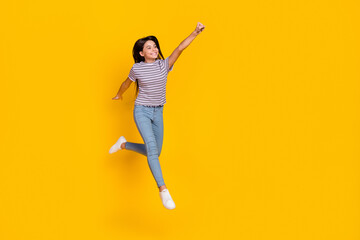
(199, 28)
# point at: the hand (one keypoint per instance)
(199, 28)
(117, 97)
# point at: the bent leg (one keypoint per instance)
(136, 147)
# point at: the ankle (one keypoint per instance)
(123, 145)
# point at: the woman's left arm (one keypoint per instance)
(184, 44)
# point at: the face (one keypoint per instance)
(150, 50)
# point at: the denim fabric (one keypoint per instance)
(149, 121)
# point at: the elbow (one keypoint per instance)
(180, 48)
(126, 85)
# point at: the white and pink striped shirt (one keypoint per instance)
(152, 78)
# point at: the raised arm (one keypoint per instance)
(176, 53)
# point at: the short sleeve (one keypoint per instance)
(167, 65)
(132, 74)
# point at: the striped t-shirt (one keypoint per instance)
(152, 78)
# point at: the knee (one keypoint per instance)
(152, 149)
(159, 150)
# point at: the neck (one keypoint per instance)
(150, 60)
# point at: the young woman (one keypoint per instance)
(150, 74)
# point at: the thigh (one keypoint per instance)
(142, 117)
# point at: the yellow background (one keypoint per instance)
(261, 136)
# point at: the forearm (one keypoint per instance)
(184, 44)
(122, 89)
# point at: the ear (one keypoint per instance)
(141, 53)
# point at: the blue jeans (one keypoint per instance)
(149, 121)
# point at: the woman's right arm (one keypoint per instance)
(124, 86)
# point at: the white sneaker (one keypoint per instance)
(117, 145)
(166, 199)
